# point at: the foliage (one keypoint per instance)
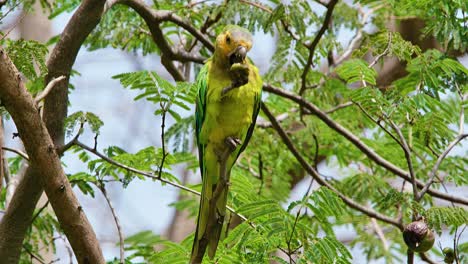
(410, 122)
(27, 55)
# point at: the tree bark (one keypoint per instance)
(16, 220)
(18, 216)
(45, 160)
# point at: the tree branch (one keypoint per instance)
(426, 259)
(146, 174)
(407, 151)
(48, 88)
(356, 41)
(18, 215)
(351, 203)
(441, 158)
(326, 22)
(153, 19)
(17, 151)
(116, 220)
(44, 159)
(380, 233)
(280, 118)
(357, 142)
(387, 49)
(439, 162)
(16, 220)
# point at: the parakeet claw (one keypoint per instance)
(227, 89)
(232, 143)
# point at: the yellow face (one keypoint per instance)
(233, 44)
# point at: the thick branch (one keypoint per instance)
(17, 217)
(44, 159)
(351, 203)
(153, 19)
(357, 142)
(61, 60)
(55, 110)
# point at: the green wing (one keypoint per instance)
(257, 102)
(202, 84)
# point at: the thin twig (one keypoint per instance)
(380, 233)
(39, 212)
(377, 122)
(260, 172)
(17, 151)
(387, 49)
(33, 255)
(338, 107)
(70, 144)
(441, 158)
(439, 162)
(407, 152)
(48, 88)
(280, 118)
(456, 242)
(257, 5)
(67, 247)
(131, 169)
(14, 26)
(116, 220)
(164, 108)
(313, 45)
(304, 198)
(355, 42)
(9, 10)
(163, 126)
(146, 174)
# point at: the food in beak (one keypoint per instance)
(238, 55)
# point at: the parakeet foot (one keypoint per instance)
(232, 143)
(227, 89)
(239, 74)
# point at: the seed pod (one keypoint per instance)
(418, 237)
(449, 255)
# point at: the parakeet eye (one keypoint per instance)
(228, 39)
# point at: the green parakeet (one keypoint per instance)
(229, 93)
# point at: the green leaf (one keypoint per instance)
(26, 55)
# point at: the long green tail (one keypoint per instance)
(211, 213)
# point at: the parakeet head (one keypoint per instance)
(232, 45)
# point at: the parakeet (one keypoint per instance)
(229, 94)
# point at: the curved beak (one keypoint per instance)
(238, 55)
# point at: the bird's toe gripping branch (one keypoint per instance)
(232, 143)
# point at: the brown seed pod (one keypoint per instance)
(418, 237)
